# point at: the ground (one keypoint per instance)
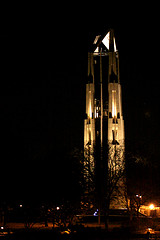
(140, 229)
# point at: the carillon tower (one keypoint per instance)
(104, 125)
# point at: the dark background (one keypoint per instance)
(43, 69)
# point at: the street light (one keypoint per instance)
(151, 206)
(138, 196)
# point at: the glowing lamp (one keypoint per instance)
(151, 206)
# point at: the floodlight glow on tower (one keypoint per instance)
(104, 124)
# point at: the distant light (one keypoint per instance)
(58, 208)
(149, 230)
(2, 227)
(139, 196)
(151, 206)
(20, 205)
(95, 213)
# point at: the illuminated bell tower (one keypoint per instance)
(104, 124)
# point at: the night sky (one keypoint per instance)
(43, 71)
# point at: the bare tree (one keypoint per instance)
(115, 194)
(102, 180)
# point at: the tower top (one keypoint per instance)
(105, 43)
